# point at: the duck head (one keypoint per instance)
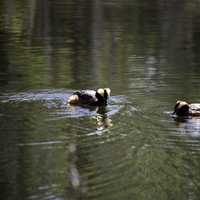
(102, 95)
(181, 108)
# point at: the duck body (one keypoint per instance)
(182, 108)
(90, 97)
(195, 109)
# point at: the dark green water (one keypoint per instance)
(147, 52)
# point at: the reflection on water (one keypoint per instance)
(146, 52)
(103, 121)
(189, 126)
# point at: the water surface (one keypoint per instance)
(146, 52)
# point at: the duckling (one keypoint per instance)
(182, 108)
(90, 97)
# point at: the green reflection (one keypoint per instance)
(146, 51)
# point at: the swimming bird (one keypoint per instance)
(183, 108)
(90, 97)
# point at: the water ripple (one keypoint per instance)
(56, 100)
(40, 143)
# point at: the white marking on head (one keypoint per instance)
(101, 91)
(181, 103)
(108, 90)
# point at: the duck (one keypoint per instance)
(183, 108)
(97, 97)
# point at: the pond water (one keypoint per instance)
(148, 53)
